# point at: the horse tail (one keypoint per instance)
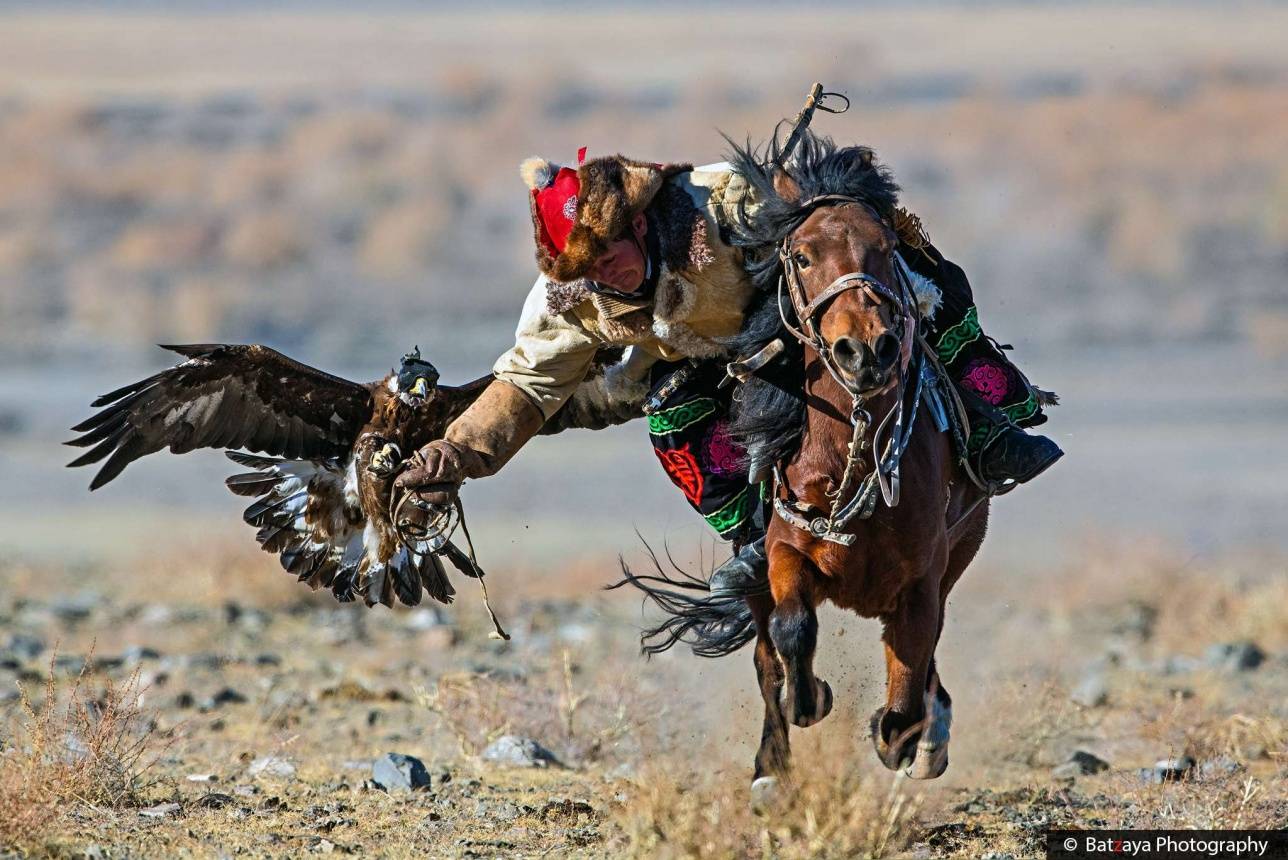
(712, 626)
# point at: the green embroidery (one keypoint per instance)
(1022, 411)
(676, 418)
(978, 436)
(732, 514)
(952, 341)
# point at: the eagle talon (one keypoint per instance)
(385, 461)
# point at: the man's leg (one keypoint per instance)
(998, 397)
(688, 420)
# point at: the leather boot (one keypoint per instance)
(746, 573)
(1013, 455)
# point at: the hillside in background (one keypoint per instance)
(307, 179)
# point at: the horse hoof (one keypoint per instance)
(767, 795)
(930, 763)
(821, 708)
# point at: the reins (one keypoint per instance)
(435, 536)
(850, 501)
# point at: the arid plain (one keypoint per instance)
(343, 187)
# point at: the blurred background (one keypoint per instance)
(1113, 177)
(342, 186)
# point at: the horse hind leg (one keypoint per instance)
(793, 628)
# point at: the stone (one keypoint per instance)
(139, 653)
(514, 751)
(1215, 768)
(271, 766)
(215, 800)
(425, 618)
(1167, 770)
(202, 777)
(395, 772)
(161, 810)
(1234, 656)
(1081, 763)
(25, 646)
(75, 608)
(1092, 691)
(70, 664)
(226, 696)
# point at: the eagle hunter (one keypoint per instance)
(331, 450)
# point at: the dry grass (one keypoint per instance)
(835, 810)
(587, 720)
(72, 754)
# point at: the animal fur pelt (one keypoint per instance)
(614, 189)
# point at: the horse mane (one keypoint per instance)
(768, 415)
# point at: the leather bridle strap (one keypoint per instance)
(853, 281)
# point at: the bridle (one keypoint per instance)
(849, 501)
(807, 310)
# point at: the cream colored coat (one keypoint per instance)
(691, 309)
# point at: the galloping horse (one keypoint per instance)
(836, 291)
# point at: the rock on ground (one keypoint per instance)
(396, 772)
(514, 751)
(271, 766)
(1081, 763)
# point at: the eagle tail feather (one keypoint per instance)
(433, 576)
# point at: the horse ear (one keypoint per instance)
(786, 187)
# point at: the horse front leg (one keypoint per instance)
(793, 628)
(912, 729)
(773, 759)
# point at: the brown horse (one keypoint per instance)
(854, 311)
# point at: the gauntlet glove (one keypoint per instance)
(478, 444)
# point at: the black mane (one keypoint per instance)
(769, 410)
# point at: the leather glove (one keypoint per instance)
(435, 473)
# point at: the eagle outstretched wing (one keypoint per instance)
(225, 396)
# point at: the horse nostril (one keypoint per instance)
(846, 351)
(887, 351)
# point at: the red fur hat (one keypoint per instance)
(577, 214)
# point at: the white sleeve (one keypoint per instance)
(551, 354)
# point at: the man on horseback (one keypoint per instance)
(644, 257)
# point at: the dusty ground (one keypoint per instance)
(219, 661)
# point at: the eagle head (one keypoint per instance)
(415, 379)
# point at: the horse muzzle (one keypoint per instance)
(868, 367)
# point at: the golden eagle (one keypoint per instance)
(330, 450)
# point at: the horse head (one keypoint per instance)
(849, 296)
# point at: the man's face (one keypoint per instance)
(622, 267)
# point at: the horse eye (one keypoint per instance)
(801, 260)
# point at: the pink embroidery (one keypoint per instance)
(722, 455)
(989, 380)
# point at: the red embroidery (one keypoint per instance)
(682, 467)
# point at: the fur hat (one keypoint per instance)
(577, 214)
